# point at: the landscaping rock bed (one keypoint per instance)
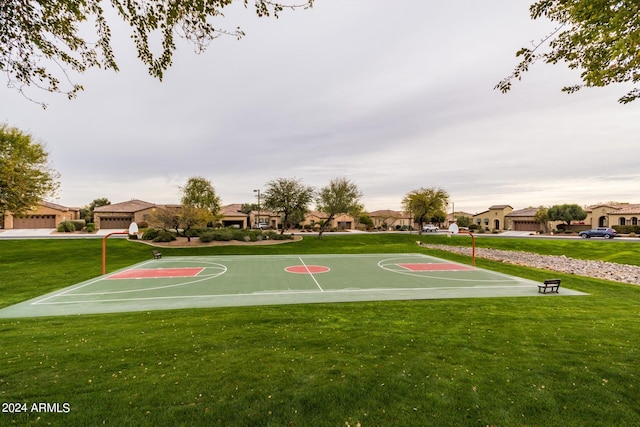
(563, 264)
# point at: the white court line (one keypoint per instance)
(311, 274)
(259, 294)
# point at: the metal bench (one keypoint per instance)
(551, 285)
(157, 255)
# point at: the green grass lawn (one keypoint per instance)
(542, 361)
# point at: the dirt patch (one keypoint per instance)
(182, 242)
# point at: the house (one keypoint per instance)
(232, 216)
(121, 215)
(341, 221)
(626, 214)
(493, 218)
(524, 220)
(610, 214)
(453, 217)
(44, 215)
(390, 220)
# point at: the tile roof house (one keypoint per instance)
(390, 219)
(121, 215)
(44, 215)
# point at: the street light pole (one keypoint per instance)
(258, 220)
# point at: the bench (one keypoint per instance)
(550, 285)
(157, 255)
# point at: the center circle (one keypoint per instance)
(307, 269)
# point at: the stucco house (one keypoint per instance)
(340, 221)
(390, 219)
(121, 215)
(232, 216)
(610, 214)
(493, 218)
(44, 215)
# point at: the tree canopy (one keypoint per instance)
(199, 193)
(289, 198)
(26, 178)
(599, 38)
(41, 40)
(426, 203)
(339, 196)
(566, 213)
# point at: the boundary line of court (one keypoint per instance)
(258, 294)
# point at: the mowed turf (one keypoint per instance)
(483, 361)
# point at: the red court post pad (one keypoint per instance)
(435, 267)
(155, 273)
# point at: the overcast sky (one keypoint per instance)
(392, 95)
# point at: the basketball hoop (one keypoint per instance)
(453, 229)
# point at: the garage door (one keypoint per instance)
(121, 223)
(526, 226)
(35, 221)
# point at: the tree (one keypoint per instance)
(542, 217)
(463, 221)
(26, 178)
(566, 213)
(366, 220)
(200, 204)
(598, 38)
(87, 211)
(36, 34)
(166, 219)
(425, 204)
(199, 193)
(340, 196)
(289, 198)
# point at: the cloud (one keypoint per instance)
(393, 96)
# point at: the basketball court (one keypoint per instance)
(245, 280)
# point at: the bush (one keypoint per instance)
(91, 227)
(79, 224)
(66, 227)
(165, 236)
(272, 235)
(627, 229)
(207, 237)
(150, 234)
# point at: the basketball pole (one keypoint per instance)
(104, 249)
(473, 246)
(454, 229)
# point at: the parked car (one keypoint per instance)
(429, 228)
(261, 226)
(607, 233)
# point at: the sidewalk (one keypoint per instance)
(45, 233)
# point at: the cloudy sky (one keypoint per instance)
(392, 95)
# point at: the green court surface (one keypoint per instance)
(242, 280)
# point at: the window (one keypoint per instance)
(623, 221)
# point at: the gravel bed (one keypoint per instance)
(563, 264)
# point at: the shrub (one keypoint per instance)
(91, 227)
(143, 224)
(66, 227)
(165, 236)
(272, 235)
(207, 237)
(150, 234)
(79, 224)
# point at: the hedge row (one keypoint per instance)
(218, 234)
(627, 229)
